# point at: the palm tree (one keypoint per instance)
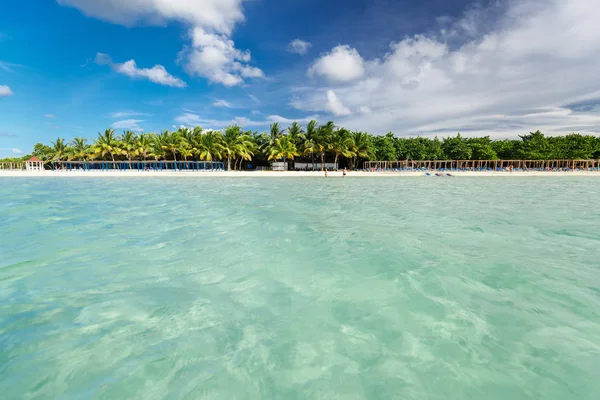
(360, 147)
(210, 146)
(186, 152)
(128, 145)
(79, 149)
(283, 147)
(275, 131)
(188, 146)
(170, 142)
(59, 150)
(310, 140)
(158, 149)
(341, 144)
(296, 133)
(143, 145)
(107, 143)
(246, 148)
(260, 144)
(324, 134)
(231, 143)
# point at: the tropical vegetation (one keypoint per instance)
(314, 143)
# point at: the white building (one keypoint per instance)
(34, 164)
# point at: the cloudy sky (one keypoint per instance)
(430, 67)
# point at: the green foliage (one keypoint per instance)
(15, 159)
(79, 149)
(457, 148)
(534, 146)
(283, 148)
(59, 150)
(313, 143)
(505, 149)
(42, 151)
(107, 144)
(482, 149)
(385, 149)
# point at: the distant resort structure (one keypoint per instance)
(483, 165)
(137, 165)
(314, 147)
(35, 164)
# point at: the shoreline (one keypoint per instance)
(280, 174)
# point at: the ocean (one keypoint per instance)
(300, 288)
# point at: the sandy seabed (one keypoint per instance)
(282, 174)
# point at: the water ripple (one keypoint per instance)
(299, 288)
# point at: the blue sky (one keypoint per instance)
(75, 67)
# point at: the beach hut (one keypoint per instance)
(34, 164)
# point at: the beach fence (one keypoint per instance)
(279, 166)
(314, 166)
(12, 166)
(303, 166)
(483, 165)
(138, 166)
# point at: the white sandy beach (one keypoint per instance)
(279, 174)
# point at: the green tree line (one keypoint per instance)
(318, 143)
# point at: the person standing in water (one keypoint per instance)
(325, 172)
(344, 172)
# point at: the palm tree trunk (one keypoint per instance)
(174, 156)
(228, 163)
(322, 161)
(336, 161)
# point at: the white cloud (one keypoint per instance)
(5, 91)
(49, 115)
(284, 120)
(222, 103)
(214, 56)
(190, 119)
(256, 112)
(157, 74)
(128, 124)
(8, 67)
(103, 59)
(342, 64)
(519, 73)
(335, 105)
(216, 15)
(16, 151)
(125, 114)
(254, 98)
(299, 46)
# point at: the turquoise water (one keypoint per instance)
(414, 288)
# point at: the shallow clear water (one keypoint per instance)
(414, 288)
